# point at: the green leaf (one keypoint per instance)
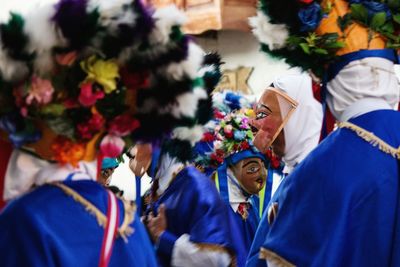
(305, 48)
(53, 110)
(393, 4)
(344, 21)
(333, 45)
(388, 27)
(378, 20)
(396, 18)
(321, 51)
(359, 12)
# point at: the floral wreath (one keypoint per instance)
(229, 133)
(312, 33)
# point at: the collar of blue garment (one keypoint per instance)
(363, 106)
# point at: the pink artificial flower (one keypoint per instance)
(66, 59)
(306, 1)
(24, 112)
(87, 98)
(112, 146)
(123, 125)
(40, 90)
(244, 123)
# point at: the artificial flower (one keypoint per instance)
(40, 91)
(66, 59)
(376, 7)
(239, 135)
(218, 114)
(104, 72)
(67, 151)
(87, 97)
(244, 145)
(123, 125)
(208, 137)
(310, 17)
(307, 2)
(228, 129)
(86, 130)
(112, 146)
(135, 80)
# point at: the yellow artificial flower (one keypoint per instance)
(104, 72)
(250, 113)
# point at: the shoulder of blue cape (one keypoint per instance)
(194, 201)
(45, 222)
(337, 181)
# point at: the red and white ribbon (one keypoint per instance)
(110, 232)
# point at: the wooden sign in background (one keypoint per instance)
(236, 80)
(207, 15)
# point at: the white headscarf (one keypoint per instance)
(363, 86)
(303, 128)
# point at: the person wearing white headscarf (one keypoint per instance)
(302, 130)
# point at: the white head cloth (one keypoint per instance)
(24, 171)
(303, 128)
(363, 86)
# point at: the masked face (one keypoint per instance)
(272, 113)
(251, 174)
(140, 158)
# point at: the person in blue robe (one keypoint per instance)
(299, 135)
(340, 206)
(47, 227)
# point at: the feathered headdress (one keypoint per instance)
(312, 34)
(83, 76)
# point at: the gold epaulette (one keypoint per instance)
(372, 139)
(124, 230)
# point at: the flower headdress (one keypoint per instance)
(229, 134)
(311, 34)
(82, 73)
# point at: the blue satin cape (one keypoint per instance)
(193, 207)
(341, 205)
(48, 228)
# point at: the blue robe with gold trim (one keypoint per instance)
(193, 207)
(341, 205)
(48, 228)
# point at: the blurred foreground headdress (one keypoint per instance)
(84, 76)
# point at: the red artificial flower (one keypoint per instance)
(87, 97)
(87, 130)
(275, 163)
(208, 137)
(135, 80)
(123, 125)
(218, 114)
(236, 147)
(229, 134)
(307, 2)
(316, 88)
(96, 122)
(244, 145)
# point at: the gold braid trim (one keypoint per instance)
(372, 139)
(124, 230)
(89, 207)
(218, 248)
(129, 216)
(274, 258)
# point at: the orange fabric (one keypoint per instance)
(356, 34)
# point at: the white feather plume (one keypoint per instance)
(273, 35)
(192, 134)
(42, 36)
(188, 67)
(165, 18)
(186, 104)
(12, 70)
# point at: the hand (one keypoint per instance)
(157, 224)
